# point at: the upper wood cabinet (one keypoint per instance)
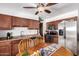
(5, 22)
(36, 24)
(53, 23)
(8, 22)
(33, 24)
(19, 22)
(23, 22)
(30, 26)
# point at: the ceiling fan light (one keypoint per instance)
(41, 9)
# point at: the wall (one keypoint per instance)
(16, 31)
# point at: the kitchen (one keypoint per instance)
(18, 29)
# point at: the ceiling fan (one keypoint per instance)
(42, 7)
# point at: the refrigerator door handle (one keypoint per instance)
(64, 32)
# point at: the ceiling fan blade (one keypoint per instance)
(50, 4)
(29, 7)
(47, 11)
(36, 12)
(42, 4)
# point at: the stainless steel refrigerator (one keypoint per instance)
(69, 37)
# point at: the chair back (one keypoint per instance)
(28, 43)
(22, 46)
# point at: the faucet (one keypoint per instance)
(21, 33)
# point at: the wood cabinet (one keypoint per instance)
(19, 22)
(5, 22)
(30, 26)
(8, 22)
(53, 23)
(14, 47)
(9, 47)
(33, 24)
(36, 24)
(5, 48)
(24, 22)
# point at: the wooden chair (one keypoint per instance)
(28, 43)
(22, 46)
(38, 40)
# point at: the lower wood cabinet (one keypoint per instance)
(14, 47)
(9, 47)
(5, 48)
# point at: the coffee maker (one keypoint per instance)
(9, 35)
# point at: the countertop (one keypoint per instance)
(18, 37)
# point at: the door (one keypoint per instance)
(71, 35)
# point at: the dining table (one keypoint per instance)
(61, 51)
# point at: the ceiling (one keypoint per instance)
(17, 8)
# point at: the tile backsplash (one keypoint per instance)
(16, 31)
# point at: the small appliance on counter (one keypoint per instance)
(9, 35)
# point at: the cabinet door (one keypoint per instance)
(19, 22)
(23, 22)
(26, 22)
(36, 24)
(16, 21)
(14, 47)
(30, 26)
(5, 22)
(33, 24)
(5, 48)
